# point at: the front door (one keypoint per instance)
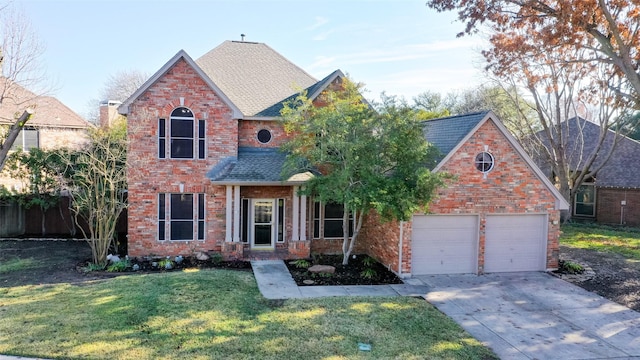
(262, 224)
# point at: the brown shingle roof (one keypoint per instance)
(49, 111)
(252, 75)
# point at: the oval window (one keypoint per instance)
(264, 136)
(484, 162)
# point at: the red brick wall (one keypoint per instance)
(511, 187)
(248, 133)
(609, 210)
(148, 175)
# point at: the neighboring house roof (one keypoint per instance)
(254, 166)
(621, 169)
(450, 133)
(253, 76)
(48, 111)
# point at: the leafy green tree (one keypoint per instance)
(368, 159)
(97, 183)
(430, 105)
(40, 172)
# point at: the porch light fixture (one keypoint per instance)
(181, 187)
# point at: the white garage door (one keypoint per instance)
(444, 244)
(515, 243)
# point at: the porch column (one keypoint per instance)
(303, 217)
(236, 213)
(228, 213)
(296, 202)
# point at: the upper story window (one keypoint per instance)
(182, 130)
(264, 136)
(186, 137)
(28, 138)
(484, 162)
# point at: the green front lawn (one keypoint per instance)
(215, 314)
(602, 238)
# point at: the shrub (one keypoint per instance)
(216, 258)
(301, 264)
(93, 267)
(166, 263)
(368, 273)
(368, 261)
(569, 267)
(119, 266)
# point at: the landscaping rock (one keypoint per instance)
(202, 256)
(324, 269)
(308, 282)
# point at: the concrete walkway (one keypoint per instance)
(519, 315)
(275, 282)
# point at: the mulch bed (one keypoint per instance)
(613, 276)
(361, 270)
(145, 265)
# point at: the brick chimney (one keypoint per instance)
(108, 112)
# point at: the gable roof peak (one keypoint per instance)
(254, 76)
(180, 55)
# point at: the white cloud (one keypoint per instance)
(319, 21)
(395, 54)
(323, 35)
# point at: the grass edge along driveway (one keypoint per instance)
(623, 241)
(218, 314)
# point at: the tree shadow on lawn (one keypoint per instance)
(217, 314)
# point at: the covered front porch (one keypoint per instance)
(266, 222)
(265, 215)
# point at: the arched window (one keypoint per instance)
(182, 130)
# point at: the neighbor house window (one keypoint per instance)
(585, 200)
(181, 216)
(327, 221)
(28, 138)
(182, 131)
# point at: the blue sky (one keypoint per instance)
(401, 47)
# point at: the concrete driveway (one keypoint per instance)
(536, 316)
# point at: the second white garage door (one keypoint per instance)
(515, 243)
(444, 244)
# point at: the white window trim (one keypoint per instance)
(194, 135)
(575, 201)
(195, 220)
(322, 220)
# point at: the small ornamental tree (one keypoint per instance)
(368, 159)
(98, 184)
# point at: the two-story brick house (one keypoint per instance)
(204, 172)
